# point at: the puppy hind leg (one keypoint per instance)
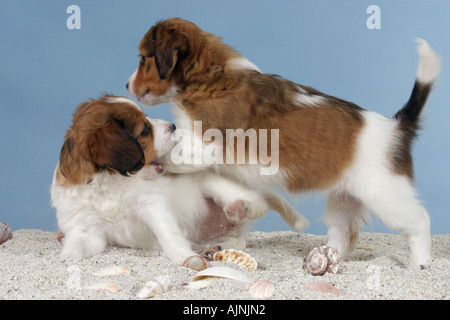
(398, 208)
(237, 201)
(277, 203)
(344, 217)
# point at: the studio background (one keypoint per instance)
(46, 70)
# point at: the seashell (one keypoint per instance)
(334, 261)
(196, 285)
(316, 263)
(323, 259)
(105, 286)
(110, 271)
(240, 258)
(262, 289)
(222, 272)
(154, 287)
(196, 263)
(5, 232)
(323, 287)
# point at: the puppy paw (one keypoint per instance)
(209, 252)
(236, 211)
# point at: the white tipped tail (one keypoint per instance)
(429, 64)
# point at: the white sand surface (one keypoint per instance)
(31, 268)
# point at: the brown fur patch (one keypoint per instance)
(105, 135)
(316, 142)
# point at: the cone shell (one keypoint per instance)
(154, 287)
(5, 232)
(240, 258)
(262, 289)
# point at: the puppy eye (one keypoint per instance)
(142, 62)
(145, 132)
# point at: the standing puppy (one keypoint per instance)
(360, 158)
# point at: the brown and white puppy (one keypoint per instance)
(107, 189)
(360, 158)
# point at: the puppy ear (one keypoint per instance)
(169, 45)
(72, 165)
(112, 147)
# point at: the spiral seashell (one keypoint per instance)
(196, 263)
(5, 232)
(262, 289)
(334, 261)
(323, 259)
(154, 287)
(316, 263)
(240, 258)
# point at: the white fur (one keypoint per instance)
(429, 64)
(146, 211)
(309, 100)
(369, 183)
(122, 100)
(242, 63)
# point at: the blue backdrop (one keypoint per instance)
(46, 70)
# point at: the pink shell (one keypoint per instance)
(324, 288)
(262, 289)
(5, 232)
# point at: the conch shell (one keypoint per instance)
(322, 259)
(240, 258)
(5, 232)
(154, 287)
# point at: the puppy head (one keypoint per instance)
(166, 51)
(111, 133)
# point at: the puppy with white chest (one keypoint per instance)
(360, 158)
(108, 190)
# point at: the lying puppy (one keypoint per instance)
(362, 159)
(108, 190)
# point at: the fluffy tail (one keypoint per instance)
(428, 70)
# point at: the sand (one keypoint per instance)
(31, 268)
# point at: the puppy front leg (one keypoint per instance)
(170, 236)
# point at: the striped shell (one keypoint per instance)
(323, 259)
(262, 289)
(316, 263)
(334, 261)
(154, 287)
(5, 232)
(240, 258)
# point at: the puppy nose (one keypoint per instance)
(126, 86)
(172, 127)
